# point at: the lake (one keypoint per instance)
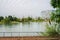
(23, 29)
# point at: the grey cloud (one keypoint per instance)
(24, 7)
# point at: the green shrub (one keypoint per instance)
(51, 31)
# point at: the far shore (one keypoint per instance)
(13, 22)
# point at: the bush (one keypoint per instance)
(51, 31)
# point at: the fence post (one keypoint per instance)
(11, 34)
(3, 34)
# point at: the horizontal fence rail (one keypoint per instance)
(19, 34)
(25, 35)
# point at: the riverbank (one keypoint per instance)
(11, 19)
(12, 22)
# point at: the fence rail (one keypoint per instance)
(19, 34)
(25, 35)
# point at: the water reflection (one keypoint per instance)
(26, 23)
(23, 27)
(10, 25)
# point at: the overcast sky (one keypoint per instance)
(25, 8)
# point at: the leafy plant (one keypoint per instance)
(51, 31)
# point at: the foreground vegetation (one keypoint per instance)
(54, 31)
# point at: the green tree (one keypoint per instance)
(7, 20)
(29, 18)
(15, 18)
(56, 15)
(38, 18)
(55, 3)
(10, 18)
(1, 18)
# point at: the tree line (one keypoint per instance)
(8, 19)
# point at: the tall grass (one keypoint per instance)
(51, 31)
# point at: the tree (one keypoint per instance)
(15, 18)
(38, 18)
(55, 3)
(1, 18)
(29, 18)
(56, 15)
(10, 18)
(7, 20)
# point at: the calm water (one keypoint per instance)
(25, 29)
